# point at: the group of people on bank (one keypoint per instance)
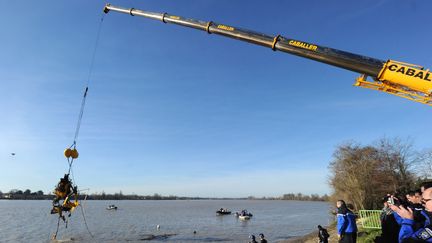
(404, 218)
(409, 218)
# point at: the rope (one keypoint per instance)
(70, 165)
(58, 224)
(80, 205)
(85, 221)
(78, 126)
(71, 173)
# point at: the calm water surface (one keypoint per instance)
(30, 221)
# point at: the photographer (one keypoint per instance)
(389, 226)
(409, 232)
(414, 200)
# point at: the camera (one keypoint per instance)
(393, 201)
(390, 200)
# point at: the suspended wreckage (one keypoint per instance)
(66, 193)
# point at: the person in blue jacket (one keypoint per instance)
(408, 233)
(346, 223)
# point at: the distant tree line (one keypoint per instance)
(301, 197)
(363, 174)
(156, 196)
(24, 195)
(121, 196)
(16, 194)
(294, 197)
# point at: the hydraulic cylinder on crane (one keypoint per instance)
(402, 79)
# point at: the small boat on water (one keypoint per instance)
(243, 215)
(223, 211)
(112, 207)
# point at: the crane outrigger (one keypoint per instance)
(397, 78)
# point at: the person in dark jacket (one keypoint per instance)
(414, 202)
(262, 239)
(389, 226)
(408, 232)
(323, 235)
(252, 237)
(346, 223)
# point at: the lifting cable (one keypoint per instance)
(83, 102)
(71, 153)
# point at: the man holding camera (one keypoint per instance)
(409, 232)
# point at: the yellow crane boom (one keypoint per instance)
(397, 78)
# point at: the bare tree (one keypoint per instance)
(400, 159)
(362, 175)
(424, 167)
(352, 171)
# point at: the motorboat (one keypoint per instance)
(244, 214)
(244, 217)
(223, 211)
(112, 207)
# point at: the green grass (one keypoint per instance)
(367, 235)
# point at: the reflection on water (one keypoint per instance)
(136, 221)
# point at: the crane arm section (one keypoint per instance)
(401, 79)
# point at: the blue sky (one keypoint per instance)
(173, 110)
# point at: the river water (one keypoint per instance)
(136, 221)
